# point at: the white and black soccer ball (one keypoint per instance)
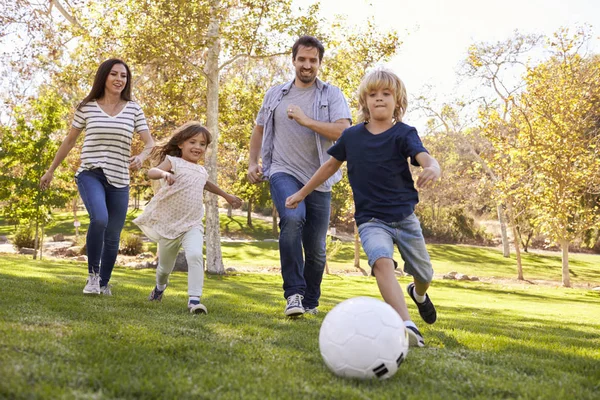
(363, 338)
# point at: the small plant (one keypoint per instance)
(131, 245)
(24, 237)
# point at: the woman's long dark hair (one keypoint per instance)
(185, 132)
(100, 82)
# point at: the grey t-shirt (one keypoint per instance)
(294, 146)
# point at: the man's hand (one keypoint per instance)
(294, 112)
(255, 173)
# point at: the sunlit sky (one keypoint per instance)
(437, 33)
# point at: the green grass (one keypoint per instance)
(490, 341)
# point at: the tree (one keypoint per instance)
(559, 132)
(28, 147)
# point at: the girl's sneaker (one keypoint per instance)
(196, 307)
(156, 294)
(92, 285)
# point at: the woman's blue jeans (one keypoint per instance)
(302, 228)
(107, 208)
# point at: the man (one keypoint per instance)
(298, 122)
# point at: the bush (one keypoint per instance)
(24, 237)
(452, 225)
(131, 245)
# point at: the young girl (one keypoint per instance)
(377, 151)
(173, 218)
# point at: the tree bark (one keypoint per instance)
(249, 215)
(503, 231)
(274, 224)
(566, 278)
(214, 258)
(36, 241)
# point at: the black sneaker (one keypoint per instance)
(426, 308)
(415, 339)
(156, 294)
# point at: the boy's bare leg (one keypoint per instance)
(389, 287)
(421, 287)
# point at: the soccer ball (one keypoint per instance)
(363, 338)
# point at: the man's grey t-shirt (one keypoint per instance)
(294, 146)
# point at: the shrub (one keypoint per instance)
(131, 245)
(24, 237)
(452, 225)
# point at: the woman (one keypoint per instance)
(109, 117)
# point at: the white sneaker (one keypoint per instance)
(197, 308)
(105, 290)
(294, 307)
(92, 285)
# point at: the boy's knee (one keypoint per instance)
(194, 256)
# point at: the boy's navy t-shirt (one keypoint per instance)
(378, 170)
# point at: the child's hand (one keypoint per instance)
(428, 176)
(169, 177)
(235, 201)
(293, 200)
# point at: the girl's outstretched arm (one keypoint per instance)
(162, 171)
(235, 201)
(322, 174)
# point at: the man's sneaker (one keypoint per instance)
(415, 339)
(426, 308)
(313, 311)
(196, 307)
(156, 294)
(294, 307)
(105, 290)
(92, 285)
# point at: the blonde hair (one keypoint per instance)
(382, 78)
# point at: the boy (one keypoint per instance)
(377, 149)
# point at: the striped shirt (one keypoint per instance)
(107, 142)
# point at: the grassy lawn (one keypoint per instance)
(490, 341)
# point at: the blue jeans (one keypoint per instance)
(302, 228)
(378, 239)
(107, 208)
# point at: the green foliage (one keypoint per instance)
(451, 225)
(24, 237)
(27, 150)
(131, 245)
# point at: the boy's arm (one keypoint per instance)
(162, 171)
(322, 174)
(235, 201)
(431, 170)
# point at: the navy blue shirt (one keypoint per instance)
(378, 170)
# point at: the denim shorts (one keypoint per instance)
(378, 239)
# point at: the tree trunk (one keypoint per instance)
(518, 254)
(75, 219)
(214, 258)
(249, 215)
(357, 251)
(42, 242)
(505, 242)
(36, 241)
(274, 224)
(566, 278)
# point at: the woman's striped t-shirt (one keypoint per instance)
(107, 142)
